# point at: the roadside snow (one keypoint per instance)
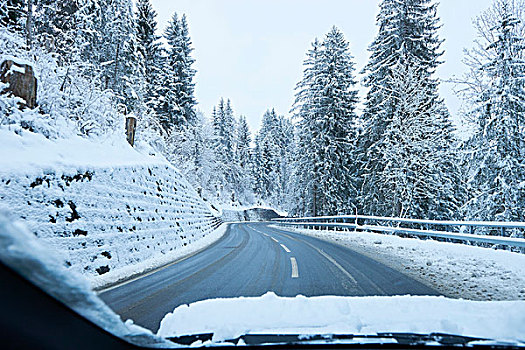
(40, 264)
(24, 152)
(270, 314)
(126, 272)
(112, 211)
(456, 270)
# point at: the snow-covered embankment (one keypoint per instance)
(110, 210)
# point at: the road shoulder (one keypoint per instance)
(456, 270)
(152, 266)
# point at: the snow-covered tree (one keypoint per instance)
(271, 166)
(150, 51)
(405, 55)
(56, 27)
(224, 129)
(243, 144)
(13, 14)
(495, 87)
(192, 152)
(108, 42)
(325, 110)
(419, 178)
(231, 148)
(177, 107)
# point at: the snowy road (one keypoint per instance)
(250, 260)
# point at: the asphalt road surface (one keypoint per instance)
(250, 260)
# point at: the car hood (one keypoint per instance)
(269, 314)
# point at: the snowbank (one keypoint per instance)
(24, 152)
(456, 270)
(270, 314)
(40, 264)
(111, 210)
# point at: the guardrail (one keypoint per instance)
(454, 230)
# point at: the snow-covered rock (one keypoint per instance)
(111, 210)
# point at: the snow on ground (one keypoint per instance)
(41, 264)
(456, 270)
(23, 151)
(113, 211)
(270, 314)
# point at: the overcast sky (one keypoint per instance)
(251, 51)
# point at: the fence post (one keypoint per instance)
(131, 123)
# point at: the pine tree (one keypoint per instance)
(109, 44)
(178, 103)
(407, 43)
(224, 130)
(496, 86)
(325, 104)
(150, 51)
(418, 179)
(56, 27)
(243, 144)
(13, 14)
(232, 186)
(271, 171)
(304, 106)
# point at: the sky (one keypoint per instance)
(252, 51)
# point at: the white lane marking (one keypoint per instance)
(285, 235)
(332, 260)
(295, 268)
(285, 248)
(253, 228)
(276, 241)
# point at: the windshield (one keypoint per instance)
(200, 173)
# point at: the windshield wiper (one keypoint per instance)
(393, 340)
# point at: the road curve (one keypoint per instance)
(250, 260)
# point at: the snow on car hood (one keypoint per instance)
(271, 314)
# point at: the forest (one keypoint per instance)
(99, 61)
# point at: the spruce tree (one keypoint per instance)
(495, 86)
(325, 109)
(150, 51)
(419, 178)
(271, 159)
(56, 26)
(407, 43)
(13, 14)
(227, 170)
(108, 42)
(243, 144)
(177, 107)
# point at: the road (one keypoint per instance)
(250, 260)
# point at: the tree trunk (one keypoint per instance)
(29, 24)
